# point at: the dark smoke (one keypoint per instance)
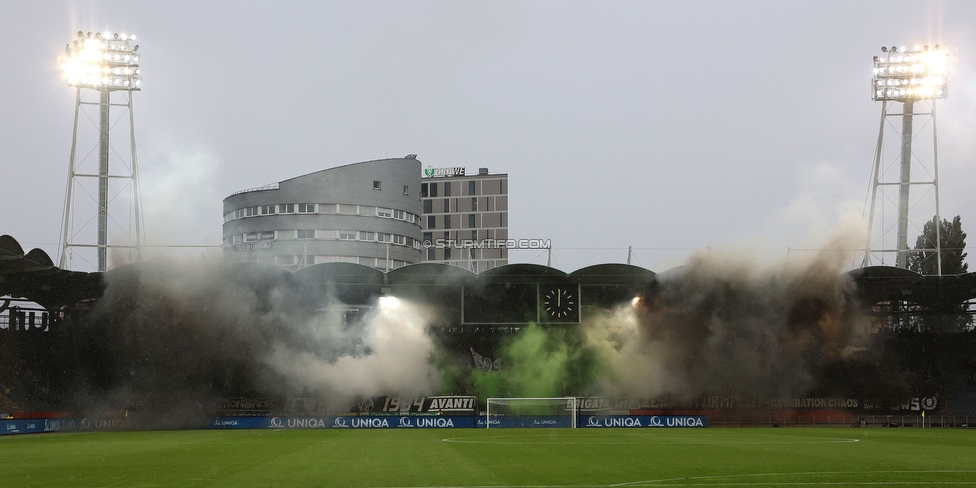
(166, 340)
(728, 327)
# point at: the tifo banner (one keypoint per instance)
(644, 421)
(441, 405)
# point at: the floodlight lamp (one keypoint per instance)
(920, 74)
(104, 62)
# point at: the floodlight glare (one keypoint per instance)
(105, 62)
(921, 74)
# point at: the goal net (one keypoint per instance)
(531, 412)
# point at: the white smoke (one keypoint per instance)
(392, 356)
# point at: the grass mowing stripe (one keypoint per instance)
(493, 457)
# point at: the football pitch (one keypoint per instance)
(739, 457)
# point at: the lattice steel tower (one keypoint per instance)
(98, 66)
(916, 77)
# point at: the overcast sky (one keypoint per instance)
(666, 126)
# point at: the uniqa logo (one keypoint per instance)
(306, 423)
(434, 422)
(369, 423)
(340, 422)
(593, 422)
(405, 422)
(655, 422)
(276, 423)
(622, 422)
(685, 422)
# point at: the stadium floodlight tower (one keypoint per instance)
(98, 66)
(907, 76)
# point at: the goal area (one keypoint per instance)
(531, 412)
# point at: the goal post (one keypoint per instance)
(532, 412)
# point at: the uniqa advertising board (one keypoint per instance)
(343, 422)
(449, 422)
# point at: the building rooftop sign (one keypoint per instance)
(432, 172)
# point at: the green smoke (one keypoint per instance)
(539, 362)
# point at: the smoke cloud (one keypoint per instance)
(719, 325)
(722, 326)
(172, 337)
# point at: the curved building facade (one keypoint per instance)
(367, 213)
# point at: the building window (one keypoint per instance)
(471, 224)
(433, 189)
(306, 233)
(474, 204)
(471, 188)
(447, 188)
(306, 208)
(447, 253)
(398, 239)
(268, 209)
(431, 222)
(406, 190)
(347, 235)
(423, 190)
(399, 215)
(376, 184)
(447, 221)
(366, 236)
(383, 237)
(447, 205)
(428, 206)
(286, 260)
(431, 254)
(286, 208)
(384, 212)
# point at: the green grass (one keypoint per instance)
(496, 457)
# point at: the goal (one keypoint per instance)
(531, 412)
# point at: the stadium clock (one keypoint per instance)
(561, 303)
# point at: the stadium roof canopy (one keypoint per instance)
(33, 276)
